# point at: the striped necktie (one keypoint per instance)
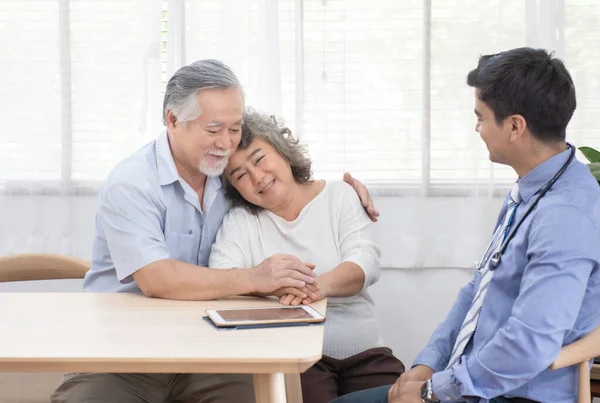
(470, 322)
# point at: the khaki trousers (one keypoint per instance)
(154, 388)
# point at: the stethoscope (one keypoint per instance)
(496, 257)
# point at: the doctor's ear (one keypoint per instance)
(517, 124)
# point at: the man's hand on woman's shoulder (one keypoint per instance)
(363, 195)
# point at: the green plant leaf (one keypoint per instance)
(595, 170)
(591, 154)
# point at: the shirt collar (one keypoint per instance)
(211, 191)
(533, 181)
(167, 171)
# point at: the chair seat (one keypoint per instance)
(28, 387)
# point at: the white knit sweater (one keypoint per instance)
(331, 229)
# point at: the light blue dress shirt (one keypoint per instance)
(146, 212)
(544, 294)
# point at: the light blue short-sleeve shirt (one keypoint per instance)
(146, 212)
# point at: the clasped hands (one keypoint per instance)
(288, 278)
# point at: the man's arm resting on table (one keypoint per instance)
(562, 252)
(172, 279)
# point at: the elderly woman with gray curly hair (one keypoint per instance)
(277, 207)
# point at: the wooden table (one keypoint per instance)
(106, 332)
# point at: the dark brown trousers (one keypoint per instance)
(330, 378)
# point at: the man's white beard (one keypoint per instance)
(214, 169)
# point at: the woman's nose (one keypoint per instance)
(257, 176)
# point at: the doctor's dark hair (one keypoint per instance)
(274, 132)
(527, 82)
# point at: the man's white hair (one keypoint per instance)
(184, 85)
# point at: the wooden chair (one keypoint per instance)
(580, 353)
(35, 387)
(41, 266)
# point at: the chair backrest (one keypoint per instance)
(41, 266)
(580, 352)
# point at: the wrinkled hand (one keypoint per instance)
(408, 392)
(364, 195)
(309, 294)
(305, 292)
(280, 272)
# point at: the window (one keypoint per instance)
(375, 87)
(80, 86)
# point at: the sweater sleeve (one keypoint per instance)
(232, 244)
(356, 235)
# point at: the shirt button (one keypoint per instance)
(448, 398)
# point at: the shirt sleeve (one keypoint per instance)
(356, 238)
(231, 247)
(438, 350)
(563, 250)
(130, 219)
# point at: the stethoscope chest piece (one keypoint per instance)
(495, 260)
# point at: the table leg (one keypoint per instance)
(293, 388)
(269, 388)
(584, 394)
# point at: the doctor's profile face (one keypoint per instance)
(494, 135)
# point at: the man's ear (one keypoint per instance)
(517, 125)
(171, 119)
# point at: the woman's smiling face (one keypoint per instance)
(260, 174)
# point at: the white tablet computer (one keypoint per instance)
(259, 316)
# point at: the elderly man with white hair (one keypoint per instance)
(158, 215)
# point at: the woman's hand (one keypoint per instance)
(314, 292)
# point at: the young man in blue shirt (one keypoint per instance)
(537, 287)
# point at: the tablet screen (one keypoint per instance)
(239, 315)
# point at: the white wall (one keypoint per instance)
(413, 232)
(420, 240)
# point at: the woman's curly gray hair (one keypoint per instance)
(273, 131)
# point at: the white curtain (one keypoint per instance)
(374, 87)
(80, 88)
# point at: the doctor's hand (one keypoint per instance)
(419, 373)
(280, 272)
(408, 392)
(364, 195)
